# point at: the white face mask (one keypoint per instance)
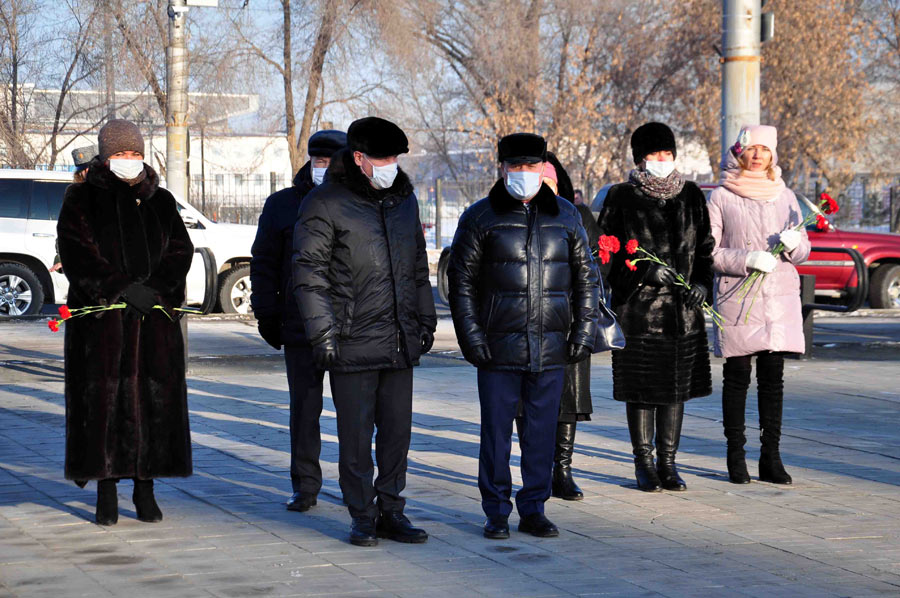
(126, 169)
(383, 176)
(523, 185)
(659, 169)
(318, 175)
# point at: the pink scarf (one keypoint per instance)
(752, 185)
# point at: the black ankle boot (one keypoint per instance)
(640, 427)
(668, 435)
(144, 502)
(770, 385)
(107, 503)
(564, 485)
(735, 382)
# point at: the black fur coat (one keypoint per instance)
(126, 398)
(666, 355)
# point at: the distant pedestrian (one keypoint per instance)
(751, 211)
(576, 404)
(665, 361)
(121, 240)
(523, 294)
(361, 281)
(578, 197)
(278, 316)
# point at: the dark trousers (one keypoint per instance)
(305, 386)
(499, 393)
(364, 401)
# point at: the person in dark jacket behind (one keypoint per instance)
(575, 405)
(279, 319)
(121, 240)
(361, 281)
(523, 294)
(665, 361)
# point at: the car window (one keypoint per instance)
(46, 199)
(14, 198)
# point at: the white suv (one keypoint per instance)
(29, 205)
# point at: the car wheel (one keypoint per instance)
(21, 293)
(884, 287)
(234, 290)
(442, 281)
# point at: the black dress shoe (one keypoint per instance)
(301, 502)
(538, 525)
(496, 528)
(394, 525)
(362, 532)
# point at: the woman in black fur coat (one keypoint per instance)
(665, 361)
(121, 240)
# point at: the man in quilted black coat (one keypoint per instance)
(361, 280)
(523, 293)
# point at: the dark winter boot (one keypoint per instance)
(668, 434)
(640, 427)
(564, 486)
(107, 503)
(770, 385)
(735, 382)
(144, 502)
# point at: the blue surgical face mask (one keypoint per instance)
(318, 175)
(383, 176)
(523, 185)
(659, 169)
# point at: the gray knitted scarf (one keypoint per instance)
(656, 187)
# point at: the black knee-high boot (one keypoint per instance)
(144, 501)
(564, 485)
(735, 382)
(668, 435)
(640, 427)
(107, 502)
(770, 385)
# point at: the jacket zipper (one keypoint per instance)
(391, 270)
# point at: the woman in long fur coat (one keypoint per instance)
(665, 361)
(121, 240)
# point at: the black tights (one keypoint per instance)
(770, 393)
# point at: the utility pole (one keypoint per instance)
(176, 100)
(109, 66)
(740, 67)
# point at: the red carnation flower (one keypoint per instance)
(629, 265)
(64, 312)
(608, 243)
(821, 222)
(603, 255)
(829, 206)
(53, 325)
(631, 247)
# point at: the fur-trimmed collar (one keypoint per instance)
(99, 175)
(343, 170)
(502, 201)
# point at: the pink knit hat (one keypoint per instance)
(757, 135)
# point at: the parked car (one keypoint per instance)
(30, 201)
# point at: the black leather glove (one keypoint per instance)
(270, 330)
(140, 297)
(577, 352)
(325, 353)
(694, 296)
(481, 355)
(427, 338)
(660, 276)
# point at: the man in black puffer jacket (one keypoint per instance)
(361, 281)
(279, 318)
(523, 294)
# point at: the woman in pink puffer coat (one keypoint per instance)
(750, 213)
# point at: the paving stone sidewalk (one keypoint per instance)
(835, 532)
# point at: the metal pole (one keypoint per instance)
(203, 169)
(438, 209)
(176, 100)
(740, 67)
